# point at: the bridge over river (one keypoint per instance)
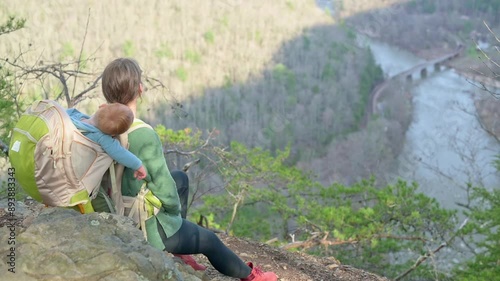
(419, 71)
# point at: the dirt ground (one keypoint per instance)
(288, 266)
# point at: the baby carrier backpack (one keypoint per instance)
(54, 162)
(58, 166)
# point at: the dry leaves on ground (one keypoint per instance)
(288, 266)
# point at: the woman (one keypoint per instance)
(121, 83)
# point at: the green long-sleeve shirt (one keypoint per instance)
(146, 145)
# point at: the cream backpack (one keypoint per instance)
(57, 165)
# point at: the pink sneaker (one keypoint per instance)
(258, 275)
(189, 260)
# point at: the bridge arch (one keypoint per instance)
(437, 67)
(423, 73)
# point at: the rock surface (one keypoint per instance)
(62, 244)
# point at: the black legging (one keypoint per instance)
(182, 182)
(194, 239)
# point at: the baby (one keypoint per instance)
(110, 120)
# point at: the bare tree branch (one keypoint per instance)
(429, 254)
(187, 166)
(61, 71)
(316, 240)
(192, 152)
(485, 81)
(81, 52)
(76, 99)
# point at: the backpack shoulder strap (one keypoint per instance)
(137, 124)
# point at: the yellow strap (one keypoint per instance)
(152, 202)
(80, 207)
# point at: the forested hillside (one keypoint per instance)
(426, 27)
(267, 74)
(314, 89)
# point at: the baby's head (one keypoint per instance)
(113, 119)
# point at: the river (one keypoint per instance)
(445, 146)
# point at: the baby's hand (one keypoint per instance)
(140, 173)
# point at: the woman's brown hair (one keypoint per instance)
(121, 80)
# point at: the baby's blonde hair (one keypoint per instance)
(114, 119)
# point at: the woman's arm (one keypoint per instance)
(145, 143)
